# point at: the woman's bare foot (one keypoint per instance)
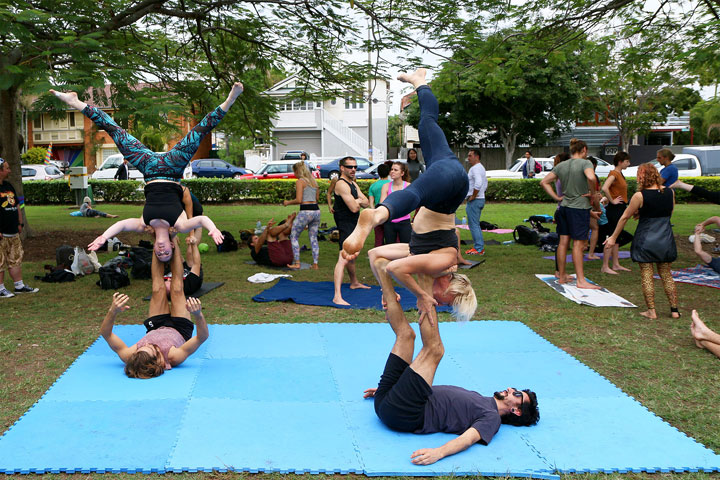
(314, 266)
(563, 278)
(592, 256)
(340, 301)
(70, 98)
(293, 266)
(110, 215)
(356, 285)
(416, 78)
(609, 271)
(235, 91)
(620, 268)
(649, 314)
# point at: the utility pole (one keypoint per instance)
(369, 97)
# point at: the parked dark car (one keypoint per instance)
(279, 169)
(295, 155)
(214, 167)
(331, 169)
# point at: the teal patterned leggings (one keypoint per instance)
(311, 220)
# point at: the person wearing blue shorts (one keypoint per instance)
(578, 180)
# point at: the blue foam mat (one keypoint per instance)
(321, 294)
(288, 398)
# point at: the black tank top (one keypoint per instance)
(656, 203)
(163, 200)
(341, 209)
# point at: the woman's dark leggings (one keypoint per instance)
(444, 185)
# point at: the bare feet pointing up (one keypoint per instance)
(70, 98)
(416, 78)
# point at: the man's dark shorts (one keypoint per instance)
(715, 264)
(345, 228)
(192, 283)
(574, 222)
(181, 324)
(401, 396)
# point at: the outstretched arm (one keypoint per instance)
(119, 304)
(127, 225)
(427, 456)
(709, 221)
(189, 224)
(188, 348)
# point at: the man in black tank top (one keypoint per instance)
(349, 199)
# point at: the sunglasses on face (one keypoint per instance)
(354, 167)
(518, 393)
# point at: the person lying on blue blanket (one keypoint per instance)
(168, 341)
(711, 262)
(406, 399)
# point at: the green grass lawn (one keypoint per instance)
(654, 361)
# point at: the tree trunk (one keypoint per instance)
(509, 140)
(9, 147)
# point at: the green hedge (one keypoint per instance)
(221, 190)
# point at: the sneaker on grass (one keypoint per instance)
(26, 289)
(472, 251)
(4, 293)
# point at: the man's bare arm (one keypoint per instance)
(427, 456)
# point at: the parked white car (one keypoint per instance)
(515, 171)
(107, 170)
(687, 165)
(40, 172)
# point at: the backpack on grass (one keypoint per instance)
(112, 278)
(229, 243)
(526, 236)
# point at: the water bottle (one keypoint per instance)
(464, 221)
(508, 242)
(258, 228)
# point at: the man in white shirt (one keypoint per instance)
(476, 201)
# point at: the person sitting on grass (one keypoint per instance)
(711, 262)
(87, 210)
(407, 401)
(272, 247)
(169, 340)
(703, 336)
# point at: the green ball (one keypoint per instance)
(203, 248)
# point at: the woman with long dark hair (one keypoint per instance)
(615, 189)
(397, 230)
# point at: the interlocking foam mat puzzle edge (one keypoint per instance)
(218, 394)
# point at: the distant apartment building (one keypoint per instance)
(77, 141)
(331, 128)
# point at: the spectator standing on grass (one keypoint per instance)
(11, 250)
(414, 166)
(573, 216)
(398, 229)
(529, 170)
(615, 190)
(670, 172)
(123, 171)
(476, 201)
(374, 195)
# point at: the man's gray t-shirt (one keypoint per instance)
(453, 410)
(574, 182)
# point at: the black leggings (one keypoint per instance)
(397, 232)
(701, 192)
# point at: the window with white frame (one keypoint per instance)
(354, 102)
(299, 105)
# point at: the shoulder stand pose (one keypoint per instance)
(169, 340)
(406, 399)
(162, 171)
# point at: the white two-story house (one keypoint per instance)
(331, 128)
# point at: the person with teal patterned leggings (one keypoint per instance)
(163, 208)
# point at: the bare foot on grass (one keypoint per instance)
(314, 266)
(585, 285)
(609, 271)
(649, 314)
(416, 78)
(356, 285)
(620, 268)
(593, 257)
(340, 301)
